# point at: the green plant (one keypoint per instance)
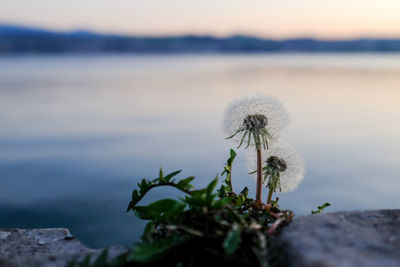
(219, 227)
(207, 225)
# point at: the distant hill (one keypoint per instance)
(17, 39)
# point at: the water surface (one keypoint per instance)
(78, 132)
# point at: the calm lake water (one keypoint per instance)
(78, 132)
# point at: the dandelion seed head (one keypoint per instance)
(255, 122)
(253, 113)
(279, 154)
(277, 163)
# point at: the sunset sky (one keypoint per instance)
(276, 19)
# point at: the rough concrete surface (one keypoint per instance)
(343, 239)
(340, 239)
(44, 247)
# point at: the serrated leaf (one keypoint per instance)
(245, 191)
(143, 213)
(143, 186)
(146, 185)
(233, 239)
(196, 200)
(240, 199)
(222, 192)
(172, 174)
(232, 157)
(135, 199)
(321, 208)
(164, 209)
(185, 183)
(85, 262)
(147, 252)
(101, 260)
(148, 230)
(221, 203)
(120, 260)
(211, 186)
(209, 191)
(71, 264)
(228, 172)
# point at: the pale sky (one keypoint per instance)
(276, 19)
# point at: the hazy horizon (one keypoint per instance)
(90, 30)
(350, 19)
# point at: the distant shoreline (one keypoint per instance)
(26, 40)
(195, 53)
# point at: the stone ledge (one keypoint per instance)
(343, 239)
(52, 247)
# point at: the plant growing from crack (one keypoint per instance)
(207, 225)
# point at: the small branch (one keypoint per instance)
(274, 226)
(133, 203)
(271, 191)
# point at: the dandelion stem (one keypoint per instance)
(259, 175)
(271, 191)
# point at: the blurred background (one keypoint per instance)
(95, 95)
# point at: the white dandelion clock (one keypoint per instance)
(293, 173)
(283, 168)
(255, 120)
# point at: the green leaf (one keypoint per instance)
(148, 230)
(233, 239)
(150, 252)
(228, 172)
(223, 191)
(211, 186)
(185, 183)
(135, 199)
(145, 186)
(321, 208)
(120, 260)
(101, 260)
(232, 157)
(209, 191)
(143, 212)
(221, 203)
(240, 199)
(245, 191)
(172, 174)
(71, 264)
(164, 209)
(198, 200)
(85, 262)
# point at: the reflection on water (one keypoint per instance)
(77, 133)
